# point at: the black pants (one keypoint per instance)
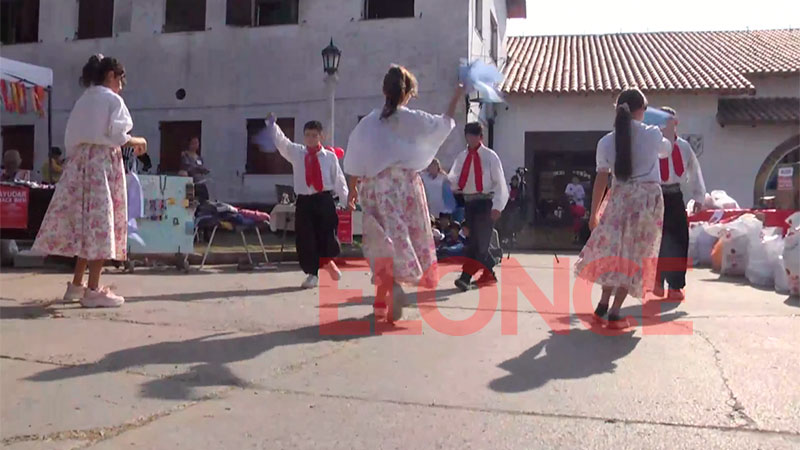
(201, 192)
(674, 240)
(479, 220)
(315, 228)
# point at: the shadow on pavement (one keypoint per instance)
(579, 354)
(792, 301)
(209, 295)
(208, 355)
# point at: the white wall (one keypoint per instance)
(231, 74)
(731, 158)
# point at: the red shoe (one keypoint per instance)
(487, 278)
(658, 291)
(676, 295)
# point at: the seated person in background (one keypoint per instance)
(438, 236)
(192, 164)
(55, 163)
(11, 167)
(454, 244)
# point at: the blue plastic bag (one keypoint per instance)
(449, 199)
(483, 78)
(656, 117)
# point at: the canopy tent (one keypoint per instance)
(36, 77)
(28, 73)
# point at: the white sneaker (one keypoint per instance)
(333, 269)
(310, 282)
(74, 293)
(101, 298)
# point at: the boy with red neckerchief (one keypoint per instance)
(317, 177)
(478, 174)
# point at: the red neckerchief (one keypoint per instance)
(313, 169)
(677, 163)
(472, 158)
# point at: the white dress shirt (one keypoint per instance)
(494, 180)
(99, 117)
(332, 175)
(692, 184)
(647, 146)
(576, 193)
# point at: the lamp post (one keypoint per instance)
(330, 63)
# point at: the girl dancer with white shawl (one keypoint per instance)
(385, 154)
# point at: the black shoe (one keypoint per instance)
(463, 283)
(601, 310)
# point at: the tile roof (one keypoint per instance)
(670, 61)
(758, 110)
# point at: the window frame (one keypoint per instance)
(167, 28)
(254, 16)
(32, 36)
(494, 45)
(478, 13)
(78, 35)
(366, 16)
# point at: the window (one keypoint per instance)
(261, 163)
(185, 15)
(19, 21)
(95, 18)
(21, 139)
(387, 9)
(175, 137)
(261, 13)
(479, 17)
(494, 44)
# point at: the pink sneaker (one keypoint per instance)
(101, 298)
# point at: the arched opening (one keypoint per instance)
(767, 178)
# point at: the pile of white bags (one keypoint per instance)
(700, 244)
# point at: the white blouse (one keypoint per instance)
(647, 146)
(408, 139)
(99, 117)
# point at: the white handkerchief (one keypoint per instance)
(264, 141)
(483, 78)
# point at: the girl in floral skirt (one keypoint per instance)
(385, 153)
(87, 217)
(626, 223)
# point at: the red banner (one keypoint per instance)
(345, 230)
(14, 207)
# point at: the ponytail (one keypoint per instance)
(95, 70)
(628, 101)
(397, 85)
(623, 165)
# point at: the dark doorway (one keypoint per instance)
(21, 139)
(175, 138)
(556, 160)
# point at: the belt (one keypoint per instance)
(671, 188)
(471, 197)
(317, 193)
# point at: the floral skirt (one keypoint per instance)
(622, 250)
(397, 228)
(88, 214)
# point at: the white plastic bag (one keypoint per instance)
(695, 230)
(736, 239)
(704, 245)
(762, 258)
(721, 200)
(791, 260)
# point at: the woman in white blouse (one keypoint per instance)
(385, 154)
(626, 223)
(87, 217)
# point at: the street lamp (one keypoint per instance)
(330, 64)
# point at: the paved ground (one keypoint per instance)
(230, 360)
